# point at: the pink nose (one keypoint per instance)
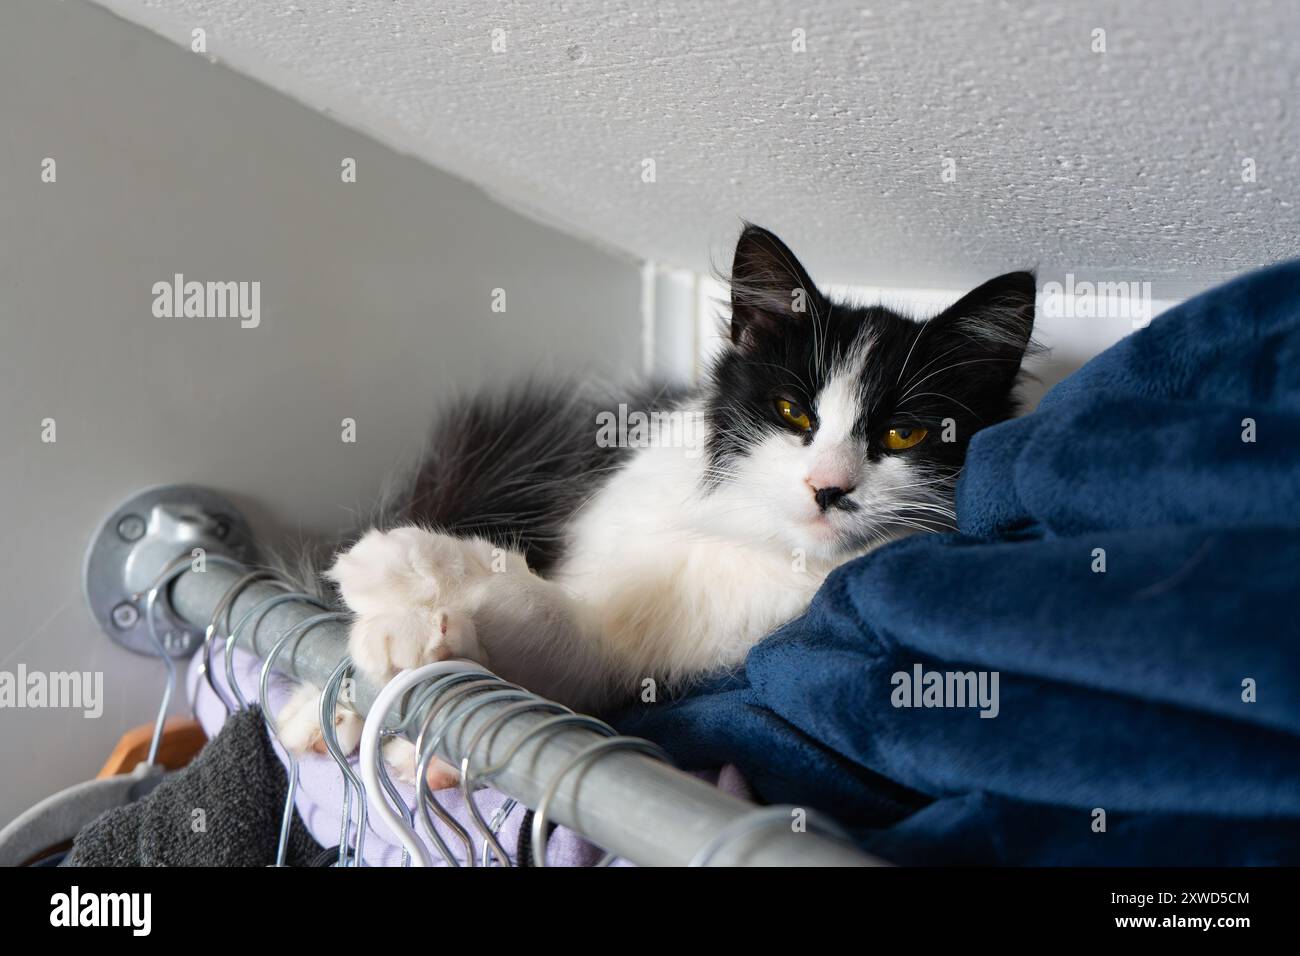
(829, 478)
(827, 495)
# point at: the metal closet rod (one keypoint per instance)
(639, 808)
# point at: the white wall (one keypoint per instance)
(375, 302)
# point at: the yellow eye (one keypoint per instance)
(793, 415)
(897, 439)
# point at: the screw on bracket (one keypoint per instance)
(125, 616)
(131, 528)
(136, 540)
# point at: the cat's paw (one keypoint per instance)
(298, 723)
(399, 755)
(383, 644)
(413, 593)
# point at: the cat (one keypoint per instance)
(580, 542)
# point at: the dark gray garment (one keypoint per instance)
(238, 784)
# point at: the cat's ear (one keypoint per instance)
(992, 325)
(771, 292)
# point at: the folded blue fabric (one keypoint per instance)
(1160, 695)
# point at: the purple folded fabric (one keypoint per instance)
(320, 789)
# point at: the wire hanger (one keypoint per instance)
(469, 780)
(260, 611)
(224, 606)
(351, 782)
(431, 697)
(596, 749)
(170, 572)
(370, 767)
(286, 819)
(460, 709)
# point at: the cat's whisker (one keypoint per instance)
(920, 332)
(937, 358)
(948, 368)
(938, 395)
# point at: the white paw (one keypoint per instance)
(414, 594)
(298, 723)
(399, 755)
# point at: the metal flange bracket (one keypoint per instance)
(137, 540)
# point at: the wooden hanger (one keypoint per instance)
(182, 739)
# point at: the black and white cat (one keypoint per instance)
(578, 557)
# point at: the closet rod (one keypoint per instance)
(637, 807)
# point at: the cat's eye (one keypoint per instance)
(900, 439)
(793, 415)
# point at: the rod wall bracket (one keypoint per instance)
(137, 540)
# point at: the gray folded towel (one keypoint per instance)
(223, 809)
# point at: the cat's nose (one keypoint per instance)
(827, 497)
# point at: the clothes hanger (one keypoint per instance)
(431, 697)
(426, 696)
(286, 818)
(260, 611)
(173, 569)
(492, 690)
(460, 711)
(581, 759)
(225, 606)
(182, 739)
(499, 817)
(329, 700)
(469, 782)
(469, 779)
(371, 764)
(57, 819)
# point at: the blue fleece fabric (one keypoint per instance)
(1119, 690)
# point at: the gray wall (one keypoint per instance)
(375, 303)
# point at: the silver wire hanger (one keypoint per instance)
(596, 749)
(170, 572)
(224, 606)
(371, 764)
(469, 780)
(460, 708)
(286, 819)
(351, 782)
(260, 611)
(430, 696)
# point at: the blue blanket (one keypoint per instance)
(1128, 564)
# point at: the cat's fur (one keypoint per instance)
(582, 571)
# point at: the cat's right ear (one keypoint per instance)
(771, 292)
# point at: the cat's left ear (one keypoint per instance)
(771, 292)
(993, 323)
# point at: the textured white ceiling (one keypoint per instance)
(1125, 164)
